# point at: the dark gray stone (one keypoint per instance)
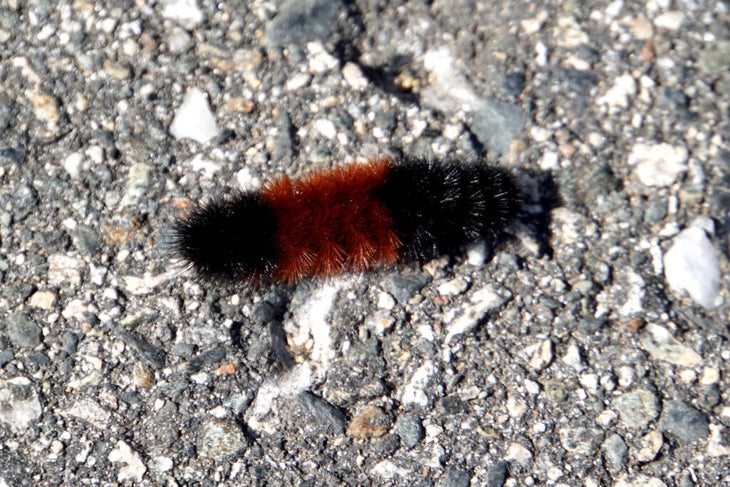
(403, 286)
(205, 358)
(302, 21)
(70, 342)
(684, 422)
(12, 154)
(456, 478)
(151, 354)
(5, 357)
(497, 475)
(22, 331)
(450, 405)
(25, 199)
(409, 429)
(330, 420)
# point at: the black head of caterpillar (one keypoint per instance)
(227, 238)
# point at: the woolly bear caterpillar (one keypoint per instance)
(350, 218)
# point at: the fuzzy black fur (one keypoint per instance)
(227, 239)
(437, 208)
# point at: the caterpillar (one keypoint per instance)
(350, 218)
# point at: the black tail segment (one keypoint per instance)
(437, 208)
(228, 239)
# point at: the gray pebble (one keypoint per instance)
(450, 405)
(514, 83)
(70, 342)
(497, 475)
(403, 286)
(206, 358)
(576, 79)
(590, 325)
(283, 149)
(221, 439)
(614, 451)
(409, 429)
(151, 354)
(25, 199)
(683, 421)
(496, 124)
(656, 211)
(88, 240)
(582, 441)
(456, 478)
(12, 155)
(5, 357)
(22, 331)
(328, 419)
(302, 21)
(637, 408)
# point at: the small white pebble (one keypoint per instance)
(325, 128)
(194, 119)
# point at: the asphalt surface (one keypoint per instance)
(590, 348)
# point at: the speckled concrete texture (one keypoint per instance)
(589, 349)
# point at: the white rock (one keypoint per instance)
(139, 286)
(19, 404)
(620, 94)
(262, 415)
(320, 61)
(133, 468)
(691, 265)
(185, 12)
(138, 181)
(670, 20)
(661, 345)
(161, 464)
(325, 127)
(533, 25)
(76, 309)
(540, 354)
(573, 358)
(73, 164)
(89, 411)
(247, 181)
(449, 87)
(484, 300)
(476, 253)
(311, 322)
(354, 76)
(298, 81)
(519, 454)
(414, 391)
(388, 470)
(516, 407)
(194, 119)
(549, 161)
(202, 165)
(453, 287)
(63, 268)
(715, 446)
(658, 164)
(385, 301)
(43, 299)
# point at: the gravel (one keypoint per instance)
(590, 348)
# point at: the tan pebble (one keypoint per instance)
(372, 422)
(651, 443)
